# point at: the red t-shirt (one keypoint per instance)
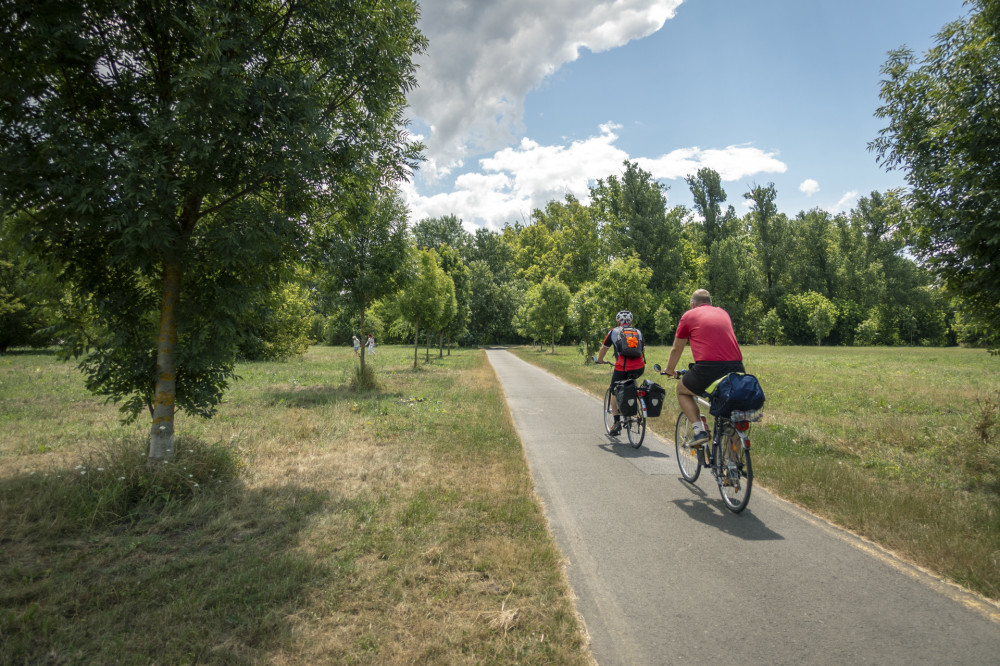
(709, 331)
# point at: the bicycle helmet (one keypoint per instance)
(624, 318)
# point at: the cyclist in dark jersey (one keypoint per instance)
(715, 350)
(625, 368)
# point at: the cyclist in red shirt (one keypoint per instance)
(715, 350)
(625, 367)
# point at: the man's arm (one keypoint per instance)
(600, 354)
(675, 355)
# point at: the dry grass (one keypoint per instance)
(393, 526)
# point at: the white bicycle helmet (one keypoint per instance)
(624, 318)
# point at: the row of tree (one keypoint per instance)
(810, 279)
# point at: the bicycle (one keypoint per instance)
(728, 457)
(634, 425)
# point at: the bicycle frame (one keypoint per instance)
(727, 455)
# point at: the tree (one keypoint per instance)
(433, 232)
(455, 267)
(166, 153)
(809, 316)
(822, 319)
(361, 252)
(421, 302)
(769, 230)
(633, 212)
(706, 189)
(944, 132)
(282, 324)
(770, 327)
(621, 285)
(665, 322)
(548, 309)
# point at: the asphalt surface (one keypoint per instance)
(664, 574)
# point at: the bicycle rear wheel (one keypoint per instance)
(735, 471)
(688, 459)
(635, 426)
(609, 418)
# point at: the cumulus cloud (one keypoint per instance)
(809, 187)
(844, 203)
(483, 58)
(514, 181)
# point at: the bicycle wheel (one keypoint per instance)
(635, 426)
(735, 471)
(688, 459)
(609, 418)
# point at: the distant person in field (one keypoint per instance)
(716, 353)
(357, 344)
(371, 344)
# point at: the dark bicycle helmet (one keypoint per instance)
(624, 318)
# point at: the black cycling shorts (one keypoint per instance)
(619, 375)
(701, 375)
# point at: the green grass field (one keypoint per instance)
(307, 523)
(900, 445)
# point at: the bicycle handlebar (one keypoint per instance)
(680, 373)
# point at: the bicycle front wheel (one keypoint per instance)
(688, 459)
(635, 426)
(736, 472)
(609, 418)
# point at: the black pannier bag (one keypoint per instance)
(736, 391)
(655, 395)
(628, 399)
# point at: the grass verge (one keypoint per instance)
(900, 445)
(308, 522)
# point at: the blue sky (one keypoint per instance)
(523, 101)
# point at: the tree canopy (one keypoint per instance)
(943, 132)
(165, 154)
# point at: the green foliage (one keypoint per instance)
(427, 295)
(620, 285)
(822, 318)
(547, 310)
(807, 317)
(173, 156)
(734, 282)
(866, 334)
(632, 210)
(706, 189)
(665, 322)
(435, 232)
(943, 134)
(280, 326)
(770, 327)
(361, 254)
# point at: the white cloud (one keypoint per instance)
(483, 58)
(844, 203)
(732, 162)
(515, 181)
(809, 187)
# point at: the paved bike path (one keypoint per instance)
(664, 574)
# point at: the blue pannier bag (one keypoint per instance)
(736, 391)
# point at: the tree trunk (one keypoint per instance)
(441, 346)
(416, 342)
(363, 341)
(161, 438)
(427, 346)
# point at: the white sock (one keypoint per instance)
(698, 427)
